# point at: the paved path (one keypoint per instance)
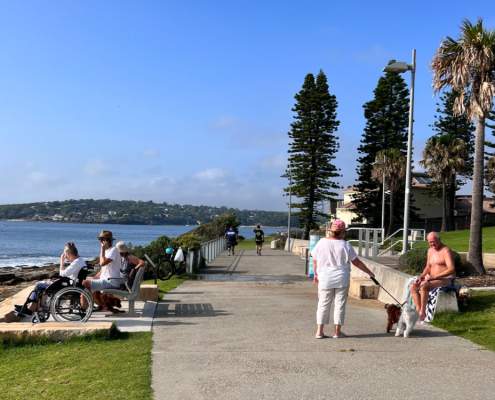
(254, 340)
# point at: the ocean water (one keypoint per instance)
(37, 243)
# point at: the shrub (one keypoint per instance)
(414, 261)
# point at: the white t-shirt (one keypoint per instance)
(333, 262)
(112, 269)
(72, 270)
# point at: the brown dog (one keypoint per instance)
(393, 315)
(111, 301)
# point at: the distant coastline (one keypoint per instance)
(127, 212)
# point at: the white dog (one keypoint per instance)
(408, 319)
(408, 315)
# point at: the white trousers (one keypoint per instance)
(327, 297)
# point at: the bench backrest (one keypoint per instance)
(137, 282)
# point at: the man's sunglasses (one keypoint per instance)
(103, 240)
(124, 254)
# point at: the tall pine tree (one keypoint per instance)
(312, 149)
(457, 127)
(386, 128)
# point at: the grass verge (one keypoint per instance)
(459, 240)
(80, 368)
(249, 244)
(475, 323)
(166, 286)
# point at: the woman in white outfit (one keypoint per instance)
(332, 258)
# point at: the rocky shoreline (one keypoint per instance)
(13, 279)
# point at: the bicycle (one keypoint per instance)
(166, 267)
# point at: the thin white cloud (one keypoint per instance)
(211, 174)
(95, 168)
(151, 153)
(373, 54)
(225, 122)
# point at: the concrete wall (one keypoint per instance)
(394, 281)
(296, 245)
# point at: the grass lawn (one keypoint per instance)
(476, 323)
(81, 368)
(249, 244)
(168, 285)
(459, 240)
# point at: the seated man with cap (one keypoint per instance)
(109, 275)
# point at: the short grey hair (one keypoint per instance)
(433, 234)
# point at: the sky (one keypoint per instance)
(190, 101)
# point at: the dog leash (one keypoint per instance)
(386, 291)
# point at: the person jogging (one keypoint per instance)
(259, 238)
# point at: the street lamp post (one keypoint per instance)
(401, 67)
(290, 206)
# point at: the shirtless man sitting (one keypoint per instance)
(438, 272)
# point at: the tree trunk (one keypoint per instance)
(451, 203)
(444, 206)
(391, 214)
(475, 255)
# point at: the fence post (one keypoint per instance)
(360, 243)
(374, 250)
(367, 243)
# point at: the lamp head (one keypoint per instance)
(398, 67)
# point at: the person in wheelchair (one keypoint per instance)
(70, 274)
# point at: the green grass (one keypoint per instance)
(476, 323)
(81, 368)
(166, 286)
(459, 240)
(249, 244)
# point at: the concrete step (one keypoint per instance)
(363, 288)
(53, 330)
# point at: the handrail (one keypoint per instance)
(389, 247)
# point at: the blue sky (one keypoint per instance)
(190, 101)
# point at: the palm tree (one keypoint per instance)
(391, 165)
(444, 156)
(468, 66)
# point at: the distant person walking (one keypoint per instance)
(231, 238)
(259, 238)
(332, 257)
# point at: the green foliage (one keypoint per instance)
(209, 231)
(414, 261)
(312, 150)
(386, 127)
(133, 212)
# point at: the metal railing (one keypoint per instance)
(370, 240)
(206, 253)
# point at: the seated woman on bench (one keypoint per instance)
(129, 264)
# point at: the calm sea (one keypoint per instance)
(37, 243)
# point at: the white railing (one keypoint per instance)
(371, 239)
(211, 249)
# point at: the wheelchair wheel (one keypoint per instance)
(66, 306)
(165, 270)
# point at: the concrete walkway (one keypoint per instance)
(248, 339)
